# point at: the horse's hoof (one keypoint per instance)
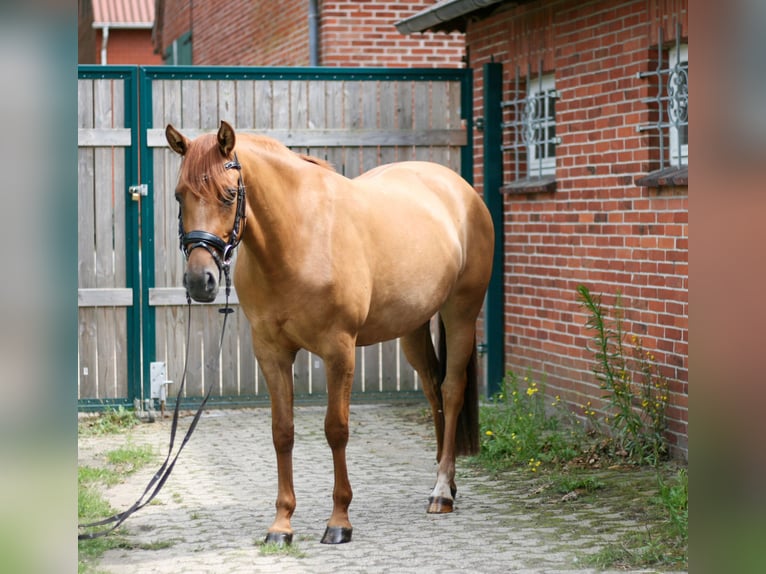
(336, 535)
(440, 505)
(279, 538)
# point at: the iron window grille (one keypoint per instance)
(530, 130)
(671, 102)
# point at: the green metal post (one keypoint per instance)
(493, 180)
(466, 114)
(148, 323)
(132, 234)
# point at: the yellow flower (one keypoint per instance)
(489, 433)
(532, 390)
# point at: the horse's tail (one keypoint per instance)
(467, 433)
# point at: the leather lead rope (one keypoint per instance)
(161, 476)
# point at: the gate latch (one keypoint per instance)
(136, 191)
(159, 382)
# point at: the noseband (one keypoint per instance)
(220, 250)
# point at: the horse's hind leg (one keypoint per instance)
(419, 350)
(460, 343)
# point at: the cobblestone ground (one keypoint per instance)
(217, 505)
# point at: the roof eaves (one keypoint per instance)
(445, 15)
(125, 25)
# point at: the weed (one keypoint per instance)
(110, 421)
(517, 430)
(636, 417)
(674, 498)
(273, 548)
(129, 459)
(564, 484)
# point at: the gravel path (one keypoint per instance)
(217, 505)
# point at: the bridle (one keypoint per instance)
(221, 251)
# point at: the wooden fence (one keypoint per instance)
(356, 119)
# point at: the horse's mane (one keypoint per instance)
(203, 168)
(264, 142)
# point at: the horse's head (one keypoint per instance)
(211, 198)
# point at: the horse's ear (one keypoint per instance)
(177, 141)
(226, 139)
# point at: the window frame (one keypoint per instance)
(678, 58)
(541, 89)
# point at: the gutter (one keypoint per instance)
(441, 12)
(313, 33)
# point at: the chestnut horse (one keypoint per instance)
(327, 264)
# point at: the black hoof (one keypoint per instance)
(279, 538)
(336, 535)
(440, 505)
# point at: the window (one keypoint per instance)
(539, 131)
(179, 53)
(670, 104)
(530, 132)
(678, 104)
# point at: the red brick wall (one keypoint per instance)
(362, 33)
(174, 21)
(598, 228)
(127, 47)
(351, 33)
(242, 32)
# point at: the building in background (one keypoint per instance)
(116, 32)
(589, 165)
(298, 33)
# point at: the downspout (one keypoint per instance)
(313, 33)
(104, 43)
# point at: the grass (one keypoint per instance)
(91, 505)
(272, 548)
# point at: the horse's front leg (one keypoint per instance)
(277, 369)
(340, 378)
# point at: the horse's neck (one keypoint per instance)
(272, 213)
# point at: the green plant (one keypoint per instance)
(128, 459)
(272, 548)
(91, 505)
(673, 496)
(564, 484)
(110, 421)
(636, 409)
(517, 428)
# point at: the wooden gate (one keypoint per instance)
(354, 118)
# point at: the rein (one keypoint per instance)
(189, 241)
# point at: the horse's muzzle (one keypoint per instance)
(201, 284)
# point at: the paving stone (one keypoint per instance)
(217, 505)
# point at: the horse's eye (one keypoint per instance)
(229, 195)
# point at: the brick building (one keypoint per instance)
(593, 185)
(298, 33)
(590, 164)
(116, 32)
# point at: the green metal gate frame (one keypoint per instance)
(141, 338)
(130, 77)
